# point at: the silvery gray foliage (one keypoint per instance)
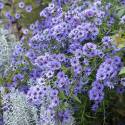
(7, 44)
(19, 112)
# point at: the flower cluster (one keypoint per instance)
(79, 23)
(41, 94)
(109, 68)
(96, 93)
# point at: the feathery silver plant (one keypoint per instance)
(7, 44)
(19, 111)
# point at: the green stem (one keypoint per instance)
(83, 113)
(104, 118)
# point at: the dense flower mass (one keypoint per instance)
(77, 24)
(109, 69)
(66, 64)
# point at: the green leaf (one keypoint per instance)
(62, 95)
(76, 98)
(1, 81)
(122, 71)
(121, 13)
(121, 46)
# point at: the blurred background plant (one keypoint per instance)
(18, 15)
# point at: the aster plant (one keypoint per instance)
(69, 66)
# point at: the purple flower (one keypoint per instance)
(61, 83)
(1, 120)
(79, 87)
(109, 68)
(61, 57)
(25, 31)
(109, 84)
(8, 15)
(78, 53)
(54, 65)
(96, 93)
(28, 8)
(54, 93)
(100, 53)
(117, 60)
(89, 13)
(21, 4)
(98, 21)
(18, 77)
(1, 5)
(108, 6)
(74, 62)
(95, 106)
(89, 49)
(98, 86)
(49, 74)
(120, 90)
(88, 71)
(123, 20)
(86, 62)
(43, 13)
(17, 16)
(35, 94)
(55, 102)
(65, 116)
(77, 69)
(24, 89)
(31, 55)
(106, 40)
(61, 75)
(32, 27)
(101, 75)
(93, 94)
(95, 31)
